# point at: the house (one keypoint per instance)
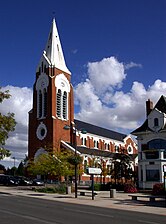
(151, 136)
(53, 110)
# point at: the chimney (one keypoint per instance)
(149, 106)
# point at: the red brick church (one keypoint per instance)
(53, 109)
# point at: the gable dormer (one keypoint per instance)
(156, 120)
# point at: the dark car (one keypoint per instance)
(38, 182)
(8, 180)
(23, 181)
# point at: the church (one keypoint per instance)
(51, 119)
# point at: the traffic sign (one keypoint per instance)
(92, 170)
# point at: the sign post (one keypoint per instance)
(164, 170)
(93, 171)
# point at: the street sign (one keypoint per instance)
(92, 170)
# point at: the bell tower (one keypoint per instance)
(53, 103)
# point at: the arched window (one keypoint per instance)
(156, 122)
(116, 148)
(96, 144)
(40, 104)
(45, 102)
(58, 107)
(83, 141)
(107, 147)
(65, 105)
(157, 144)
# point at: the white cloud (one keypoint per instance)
(103, 104)
(106, 74)
(132, 65)
(19, 103)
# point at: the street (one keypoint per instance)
(26, 210)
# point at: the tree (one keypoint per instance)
(121, 166)
(7, 124)
(49, 164)
(2, 169)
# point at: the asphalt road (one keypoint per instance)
(24, 210)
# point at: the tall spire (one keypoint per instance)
(53, 50)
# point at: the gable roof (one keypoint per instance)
(96, 130)
(161, 106)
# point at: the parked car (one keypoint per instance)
(23, 181)
(8, 180)
(38, 182)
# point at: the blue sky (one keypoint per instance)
(115, 50)
(129, 30)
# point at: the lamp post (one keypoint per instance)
(74, 130)
(14, 158)
(67, 127)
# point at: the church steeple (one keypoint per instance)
(53, 52)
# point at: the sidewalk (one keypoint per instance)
(121, 201)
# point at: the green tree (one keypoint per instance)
(2, 169)
(7, 124)
(51, 164)
(21, 169)
(121, 166)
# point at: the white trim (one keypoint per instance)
(69, 147)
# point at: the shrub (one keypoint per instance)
(59, 188)
(158, 189)
(97, 187)
(130, 188)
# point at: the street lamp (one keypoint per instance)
(73, 129)
(67, 127)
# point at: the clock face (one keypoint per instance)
(41, 131)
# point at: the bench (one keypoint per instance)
(86, 193)
(152, 198)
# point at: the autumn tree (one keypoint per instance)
(7, 124)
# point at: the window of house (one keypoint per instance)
(130, 149)
(45, 102)
(107, 146)
(62, 95)
(165, 154)
(61, 107)
(141, 174)
(116, 148)
(152, 175)
(65, 105)
(83, 141)
(157, 144)
(58, 106)
(96, 144)
(40, 104)
(152, 155)
(156, 122)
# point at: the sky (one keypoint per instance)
(115, 50)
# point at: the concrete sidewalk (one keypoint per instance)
(121, 201)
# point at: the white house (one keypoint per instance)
(151, 136)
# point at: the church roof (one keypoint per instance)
(96, 152)
(96, 130)
(53, 52)
(161, 106)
